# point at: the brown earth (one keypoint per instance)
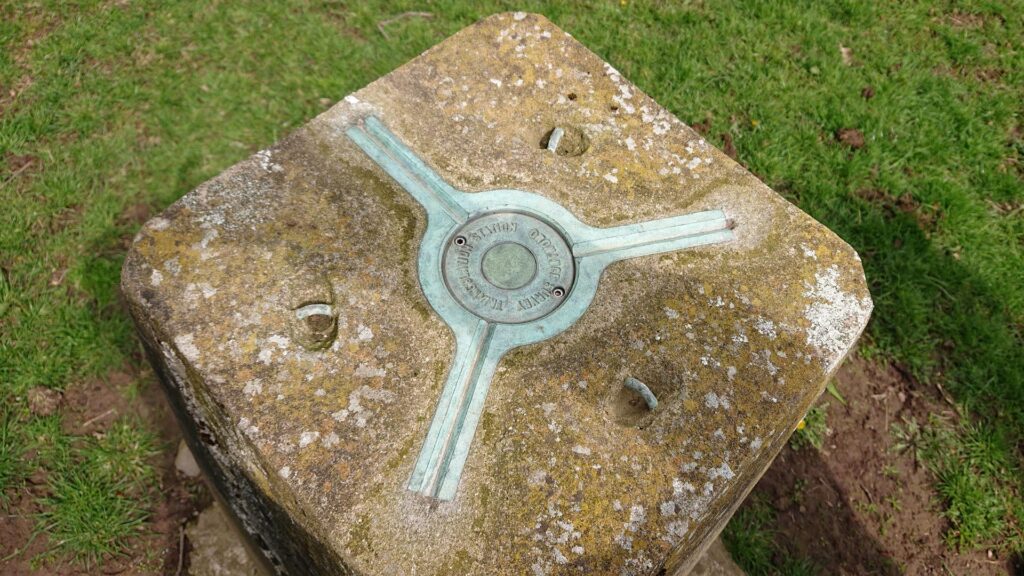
(851, 137)
(927, 216)
(858, 506)
(90, 408)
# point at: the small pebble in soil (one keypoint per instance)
(185, 462)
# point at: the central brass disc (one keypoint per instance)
(508, 267)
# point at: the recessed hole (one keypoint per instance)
(315, 326)
(614, 107)
(319, 322)
(460, 240)
(570, 141)
(571, 95)
(629, 408)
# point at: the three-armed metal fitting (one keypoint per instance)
(505, 268)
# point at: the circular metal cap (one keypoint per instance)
(508, 267)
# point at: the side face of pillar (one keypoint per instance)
(367, 403)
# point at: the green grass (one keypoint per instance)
(11, 450)
(100, 501)
(89, 519)
(99, 487)
(813, 431)
(976, 478)
(119, 104)
(752, 543)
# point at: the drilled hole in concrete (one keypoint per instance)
(565, 141)
(315, 325)
(319, 323)
(629, 408)
(571, 95)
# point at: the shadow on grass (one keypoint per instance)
(950, 338)
(943, 326)
(814, 532)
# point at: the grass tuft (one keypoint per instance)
(99, 497)
(122, 453)
(978, 485)
(89, 517)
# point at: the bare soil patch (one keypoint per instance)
(961, 20)
(850, 137)
(858, 506)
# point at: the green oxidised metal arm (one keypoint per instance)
(481, 343)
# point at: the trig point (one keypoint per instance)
(496, 313)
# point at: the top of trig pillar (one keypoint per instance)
(498, 312)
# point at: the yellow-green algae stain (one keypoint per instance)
(359, 537)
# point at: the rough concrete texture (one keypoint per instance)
(185, 462)
(216, 549)
(716, 562)
(313, 448)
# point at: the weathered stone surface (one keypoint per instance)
(311, 427)
(185, 462)
(716, 562)
(217, 549)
